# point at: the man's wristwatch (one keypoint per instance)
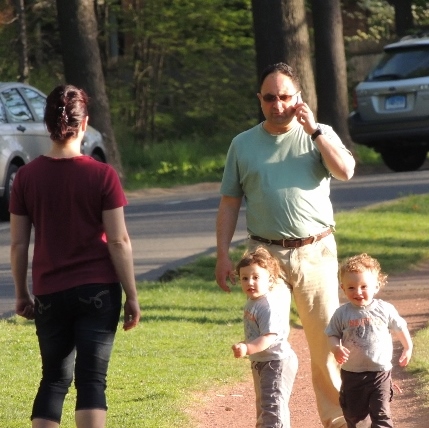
(317, 132)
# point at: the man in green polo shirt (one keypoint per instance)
(283, 167)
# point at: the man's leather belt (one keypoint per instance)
(295, 242)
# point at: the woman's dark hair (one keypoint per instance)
(280, 67)
(66, 107)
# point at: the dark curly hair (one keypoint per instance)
(66, 107)
(261, 257)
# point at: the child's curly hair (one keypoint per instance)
(263, 258)
(362, 263)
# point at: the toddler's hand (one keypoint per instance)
(341, 354)
(239, 349)
(405, 357)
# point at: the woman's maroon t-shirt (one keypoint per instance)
(64, 199)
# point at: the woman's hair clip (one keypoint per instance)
(62, 111)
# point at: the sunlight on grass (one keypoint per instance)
(181, 345)
(172, 163)
(395, 232)
(366, 155)
(419, 364)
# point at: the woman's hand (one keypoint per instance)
(131, 314)
(24, 307)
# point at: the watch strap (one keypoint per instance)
(316, 133)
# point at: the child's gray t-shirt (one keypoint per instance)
(269, 314)
(365, 332)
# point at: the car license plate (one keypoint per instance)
(395, 102)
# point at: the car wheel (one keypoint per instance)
(4, 201)
(404, 159)
(98, 157)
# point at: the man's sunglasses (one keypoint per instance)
(270, 98)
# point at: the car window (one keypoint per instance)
(16, 106)
(3, 118)
(37, 102)
(402, 64)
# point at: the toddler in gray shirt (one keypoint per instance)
(360, 337)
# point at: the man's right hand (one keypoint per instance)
(224, 270)
(226, 223)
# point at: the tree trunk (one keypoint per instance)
(331, 67)
(24, 69)
(281, 35)
(83, 68)
(403, 16)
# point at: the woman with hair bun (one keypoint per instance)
(82, 262)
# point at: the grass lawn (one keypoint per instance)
(182, 344)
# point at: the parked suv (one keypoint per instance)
(23, 135)
(392, 105)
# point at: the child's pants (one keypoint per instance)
(273, 382)
(366, 393)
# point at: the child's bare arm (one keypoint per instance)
(261, 343)
(340, 352)
(405, 339)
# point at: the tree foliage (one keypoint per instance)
(189, 61)
(180, 68)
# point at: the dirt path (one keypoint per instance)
(233, 406)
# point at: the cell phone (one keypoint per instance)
(298, 101)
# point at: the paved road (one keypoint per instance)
(170, 229)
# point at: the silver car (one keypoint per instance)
(23, 135)
(392, 105)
